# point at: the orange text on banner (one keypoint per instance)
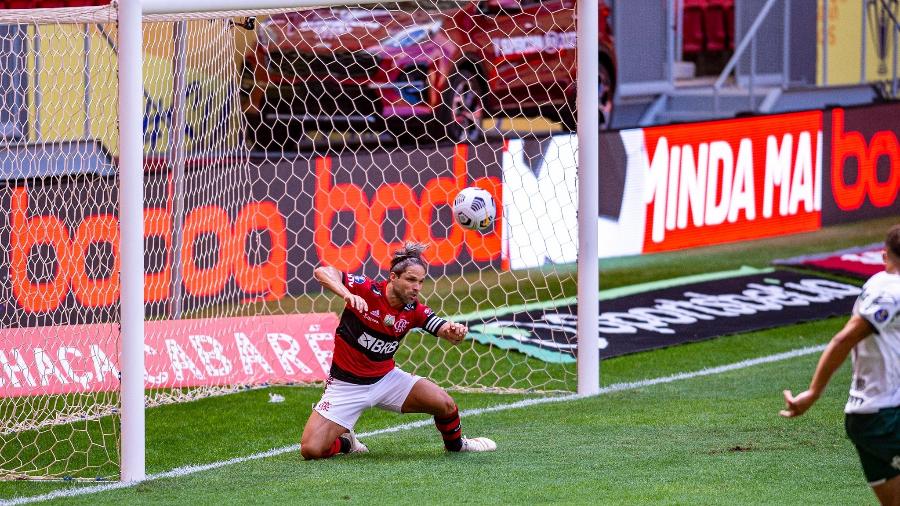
(72, 270)
(418, 209)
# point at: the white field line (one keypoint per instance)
(618, 387)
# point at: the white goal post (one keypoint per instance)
(131, 216)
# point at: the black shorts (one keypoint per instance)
(877, 440)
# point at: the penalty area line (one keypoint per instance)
(617, 387)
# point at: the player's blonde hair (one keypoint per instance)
(409, 254)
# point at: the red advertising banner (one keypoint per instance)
(184, 353)
(863, 177)
(861, 262)
(735, 180)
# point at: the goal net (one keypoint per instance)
(275, 142)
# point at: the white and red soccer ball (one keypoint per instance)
(474, 208)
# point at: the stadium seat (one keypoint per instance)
(693, 27)
(716, 29)
(728, 6)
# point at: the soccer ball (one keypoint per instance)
(474, 209)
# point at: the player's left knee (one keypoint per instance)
(312, 451)
(447, 406)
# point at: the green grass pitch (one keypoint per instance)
(714, 439)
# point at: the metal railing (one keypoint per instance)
(886, 13)
(749, 41)
(759, 77)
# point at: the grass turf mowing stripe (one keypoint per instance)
(618, 387)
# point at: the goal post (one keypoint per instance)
(162, 249)
(131, 224)
(588, 197)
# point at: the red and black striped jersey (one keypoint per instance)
(367, 340)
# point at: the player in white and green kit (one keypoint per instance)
(873, 411)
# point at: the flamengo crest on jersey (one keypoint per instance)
(876, 359)
(367, 340)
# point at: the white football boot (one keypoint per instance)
(477, 444)
(356, 446)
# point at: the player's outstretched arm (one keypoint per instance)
(856, 329)
(453, 332)
(331, 279)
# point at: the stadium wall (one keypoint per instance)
(661, 189)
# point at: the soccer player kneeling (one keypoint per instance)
(376, 318)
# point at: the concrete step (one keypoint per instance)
(700, 104)
(728, 100)
(694, 100)
(667, 117)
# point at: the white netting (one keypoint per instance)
(60, 269)
(326, 136)
(60, 344)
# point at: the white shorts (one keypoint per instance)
(343, 402)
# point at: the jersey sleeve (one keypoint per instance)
(429, 321)
(358, 285)
(877, 308)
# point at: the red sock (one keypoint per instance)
(336, 448)
(450, 430)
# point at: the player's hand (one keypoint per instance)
(456, 332)
(798, 405)
(356, 302)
